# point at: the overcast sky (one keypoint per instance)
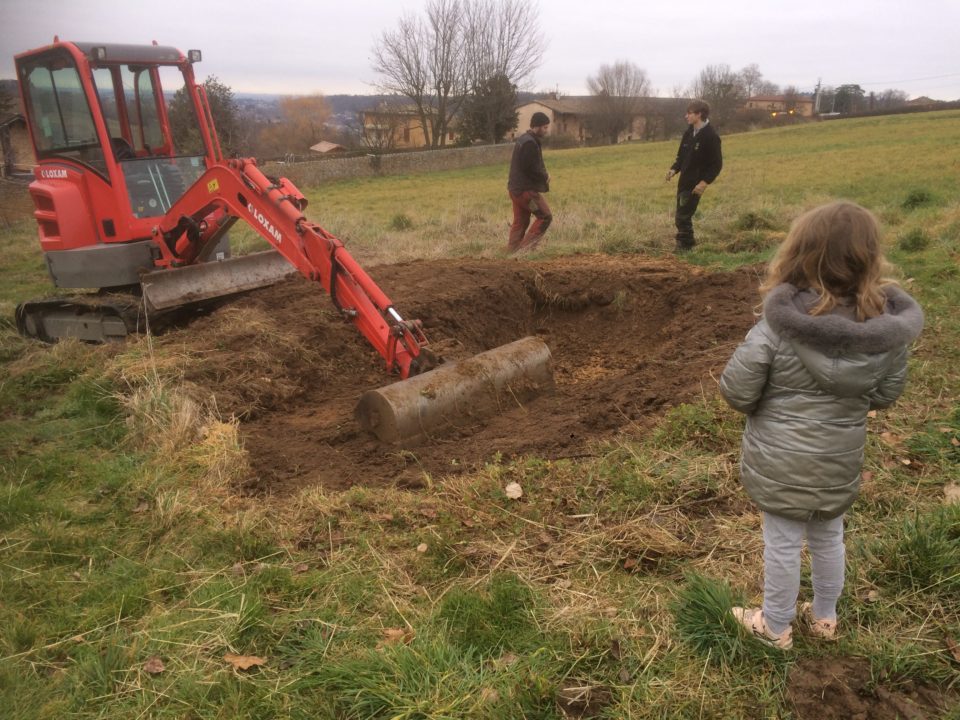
(301, 47)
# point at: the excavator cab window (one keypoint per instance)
(59, 113)
(130, 104)
(159, 157)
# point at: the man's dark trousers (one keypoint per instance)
(687, 202)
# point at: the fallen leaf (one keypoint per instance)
(866, 476)
(872, 414)
(946, 430)
(625, 675)
(429, 513)
(154, 665)
(610, 612)
(889, 438)
(489, 695)
(422, 548)
(237, 569)
(76, 575)
(514, 491)
(301, 568)
(615, 651)
(564, 584)
(505, 660)
(951, 494)
(391, 636)
(629, 564)
(955, 442)
(384, 517)
(905, 461)
(872, 596)
(142, 506)
(244, 662)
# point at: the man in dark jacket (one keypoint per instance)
(699, 161)
(527, 183)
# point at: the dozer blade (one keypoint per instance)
(457, 395)
(169, 288)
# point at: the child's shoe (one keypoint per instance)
(752, 620)
(818, 628)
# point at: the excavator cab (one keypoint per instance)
(113, 156)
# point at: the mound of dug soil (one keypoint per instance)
(629, 337)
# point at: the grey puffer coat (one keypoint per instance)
(806, 383)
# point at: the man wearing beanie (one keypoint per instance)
(527, 183)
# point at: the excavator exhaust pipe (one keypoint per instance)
(457, 395)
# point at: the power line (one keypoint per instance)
(894, 82)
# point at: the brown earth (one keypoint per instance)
(839, 688)
(629, 337)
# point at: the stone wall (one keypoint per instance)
(317, 172)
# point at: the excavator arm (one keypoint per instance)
(237, 189)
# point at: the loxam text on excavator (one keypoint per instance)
(134, 198)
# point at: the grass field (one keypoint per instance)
(134, 583)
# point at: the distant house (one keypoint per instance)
(801, 105)
(327, 148)
(571, 117)
(16, 151)
(390, 126)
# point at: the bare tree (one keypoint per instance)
(459, 47)
(790, 98)
(617, 92)
(378, 128)
(303, 125)
(502, 38)
(402, 58)
(753, 83)
(889, 98)
(722, 88)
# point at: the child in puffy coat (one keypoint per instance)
(832, 344)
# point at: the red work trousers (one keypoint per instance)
(525, 204)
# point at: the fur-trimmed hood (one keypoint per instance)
(785, 309)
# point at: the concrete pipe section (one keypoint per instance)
(458, 394)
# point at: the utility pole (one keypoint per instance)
(816, 99)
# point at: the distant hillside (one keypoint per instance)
(344, 108)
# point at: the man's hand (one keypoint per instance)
(699, 188)
(670, 173)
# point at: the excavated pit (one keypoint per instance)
(630, 336)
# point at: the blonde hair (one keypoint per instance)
(835, 251)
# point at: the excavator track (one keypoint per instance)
(91, 318)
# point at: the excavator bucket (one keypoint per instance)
(457, 395)
(165, 289)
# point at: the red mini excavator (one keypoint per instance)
(133, 198)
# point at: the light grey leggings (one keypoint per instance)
(782, 542)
